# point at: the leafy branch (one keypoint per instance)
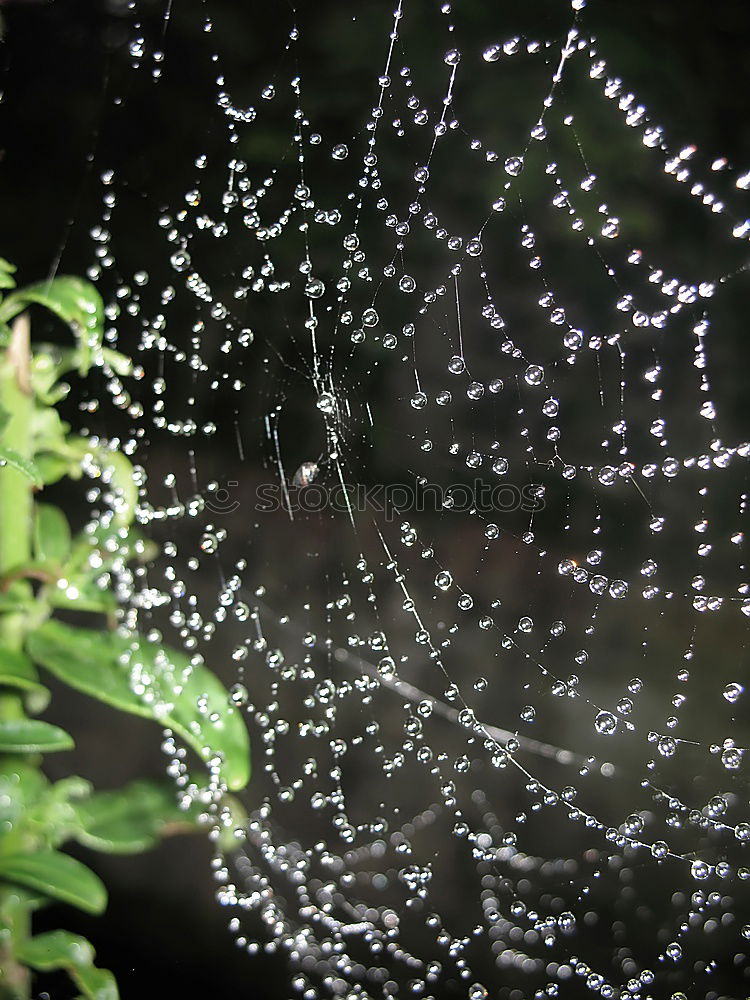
(45, 568)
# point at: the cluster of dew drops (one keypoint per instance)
(310, 897)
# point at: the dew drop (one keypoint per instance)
(326, 403)
(606, 723)
(733, 691)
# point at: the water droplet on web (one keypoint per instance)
(733, 691)
(456, 365)
(606, 723)
(238, 694)
(387, 667)
(326, 403)
(514, 165)
(700, 870)
(407, 283)
(180, 260)
(452, 57)
(443, 580)
(534, 375)
(419, 400)
(731, 758)
(314, 288)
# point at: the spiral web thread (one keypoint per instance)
(499, 743)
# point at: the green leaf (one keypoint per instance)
(58, 876)
(52, 468)
(17, 670)
(179, 695)
(63, 950)
(4, 419)
(51, 534)
(133, 818)
(32, 736)
(49, 431)
(10, 457)
(75, 301)
(118, 472)
(233, 818)
(83, 594)
(119, 363)
(6, 270)
(93, 555)
(21, 786)
(48, 364)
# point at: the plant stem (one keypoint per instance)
(16, 500)
(16, 521)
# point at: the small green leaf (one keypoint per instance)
(63, 950)
(182, 696)
(6, 270)
(133, 818)
(48, 365)
(17, 670)
(233, 818)
(10, 457)
(52, 468)
(117, 471)
(51, 534)
(97, 984)
(83, 594)
(58, 876)
(21, 786)
(56, 950)
(75, 301)
(49, 431)
(119, 363)
(32, 736)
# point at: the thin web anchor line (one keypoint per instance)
(503, 736)
(414, 694)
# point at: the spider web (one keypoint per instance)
(430, 418)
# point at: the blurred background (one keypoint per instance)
(76, 102)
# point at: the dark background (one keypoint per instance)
(61, 64)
